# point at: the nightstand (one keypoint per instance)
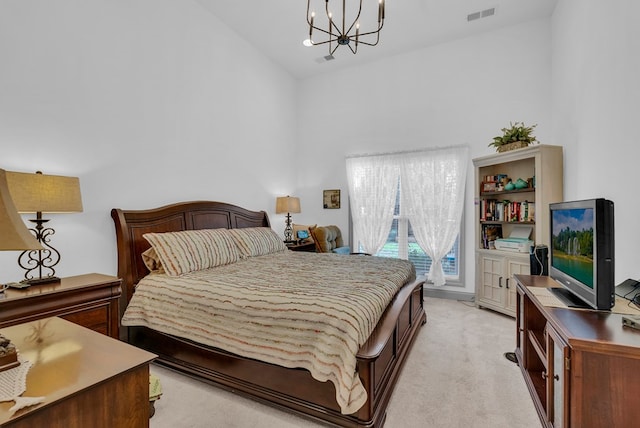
(309, 247)
(89, 300)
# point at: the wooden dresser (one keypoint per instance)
(582, 367)
(89, 300)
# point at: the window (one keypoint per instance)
(402, 244)
(425, 188)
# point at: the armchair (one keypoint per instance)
(328, 239)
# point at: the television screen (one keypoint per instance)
(582, 252)
(572, 243)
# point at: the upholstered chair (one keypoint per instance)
(328, 239)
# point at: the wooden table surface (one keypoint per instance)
(67, 360)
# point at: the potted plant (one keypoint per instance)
(518, 135)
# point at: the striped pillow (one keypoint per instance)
(257, 241)
(192, 250)
(152, 261)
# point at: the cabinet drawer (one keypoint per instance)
(95, 318)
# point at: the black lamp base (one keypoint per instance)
(39, 262)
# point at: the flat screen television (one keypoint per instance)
(582, 253)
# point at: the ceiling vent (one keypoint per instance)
(481, 14)
(325, 58)
(473, 16)
(488, 12)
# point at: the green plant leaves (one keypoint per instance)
(517, 131)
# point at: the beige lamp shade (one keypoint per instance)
(14, 235)
(287, 204)
(32, 193)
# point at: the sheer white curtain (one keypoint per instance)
(373, 184)
(432, 197)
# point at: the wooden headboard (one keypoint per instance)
(131, 225)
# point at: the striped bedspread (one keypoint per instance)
(294, 309)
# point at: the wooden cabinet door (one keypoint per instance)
(492, 280)
(514, 267)
(557, 380)
(520, 330)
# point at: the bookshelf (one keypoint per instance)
(536, 174)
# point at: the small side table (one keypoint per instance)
(309, 247)
(89, 300)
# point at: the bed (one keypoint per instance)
(378, 360)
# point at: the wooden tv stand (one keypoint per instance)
(582, 367)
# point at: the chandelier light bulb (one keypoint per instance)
(307, 42)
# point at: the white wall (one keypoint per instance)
(149, 102)
(596, 88)
(461, 92)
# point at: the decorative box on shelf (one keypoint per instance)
(489, 186)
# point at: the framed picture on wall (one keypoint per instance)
(331, 199)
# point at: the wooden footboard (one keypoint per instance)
(380, 359)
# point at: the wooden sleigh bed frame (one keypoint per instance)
(380, 359)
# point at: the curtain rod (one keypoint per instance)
(402, 152)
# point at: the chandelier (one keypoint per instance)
(337, 33)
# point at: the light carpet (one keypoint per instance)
(456, 376)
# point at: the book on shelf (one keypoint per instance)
(499, 215)
(532, 212)
(509, 211)
(490, 232)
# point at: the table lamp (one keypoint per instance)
(14, 235)
(38, 193)
(288, 205)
